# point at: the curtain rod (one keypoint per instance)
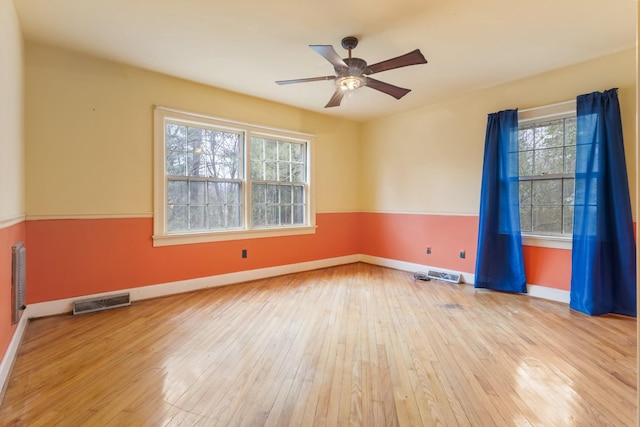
(558, 104)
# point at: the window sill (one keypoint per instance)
(554, 242)
(221, 236)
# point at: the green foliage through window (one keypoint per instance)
(546, 161)
(207, 188)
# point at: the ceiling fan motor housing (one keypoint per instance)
(356, 67)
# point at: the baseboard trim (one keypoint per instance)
(50, 308)
(552, 294)
(11, 354)
(468, 278)
(536, 291)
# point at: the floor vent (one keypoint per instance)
(101, 303)
(447, 277)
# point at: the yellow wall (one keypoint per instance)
(89, 135)
(11, 147)
(430, 159)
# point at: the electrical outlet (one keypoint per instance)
(428, 250)
(244, 253)
(462, 254)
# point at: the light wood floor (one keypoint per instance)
(355, 344)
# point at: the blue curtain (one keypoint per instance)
(499, 259)
(603, 278)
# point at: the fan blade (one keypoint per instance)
(310, 79)
(330, 54)
(412, 58)
(336, 98)
(389, 89)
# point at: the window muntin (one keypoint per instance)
(278, 177)
(204, 171)
(547, 153)
(222, 180)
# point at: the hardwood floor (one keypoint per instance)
(355, 344)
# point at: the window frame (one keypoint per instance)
(162, 237)
(561, 110)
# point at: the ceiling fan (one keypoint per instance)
(352, 73)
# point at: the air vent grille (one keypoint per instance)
(443, 275)
(101, 303)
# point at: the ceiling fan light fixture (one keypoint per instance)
(350, 82)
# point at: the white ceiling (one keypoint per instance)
(245, 45)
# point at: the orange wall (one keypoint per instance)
(69, 258)
(548, 267)
(8, 236)
(405, 237)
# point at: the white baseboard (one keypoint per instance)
(12, 352)
(552, 294)
(62, 306)
(468, 278)
(537, 291)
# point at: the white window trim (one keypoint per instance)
(162, 238)
(531, 115)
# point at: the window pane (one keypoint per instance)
(259, 194)
(177, 192)
(570, 159)
(271, 171)
(525, 163)
(285, 194)
(284, 172)
(257, 149)
(272, 215)
(285, 214)
(225, 154)
(525, 139)
(547, 219)
(525, 218)
(298, 214)
(550, 135)
(258, 215)
(567, 191)
(257, 170)
(177, 163)
(216, 193)
(549, 161)
(570, 131)
(567, 219)
(197, 192)
(197, 217)
(175, 137)
(272, 194)
(216, 216)
(234, 193)
(298, 194)
(234, 216)
(270, 150)
(525, 193)
(284, 151)
(547, 192)
(297, 172)
(177, 218)
(297, 152)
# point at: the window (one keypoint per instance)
(547, 158)
(223, 180)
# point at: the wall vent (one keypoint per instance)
(442, 275)
(18, 280)
(101, 303)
